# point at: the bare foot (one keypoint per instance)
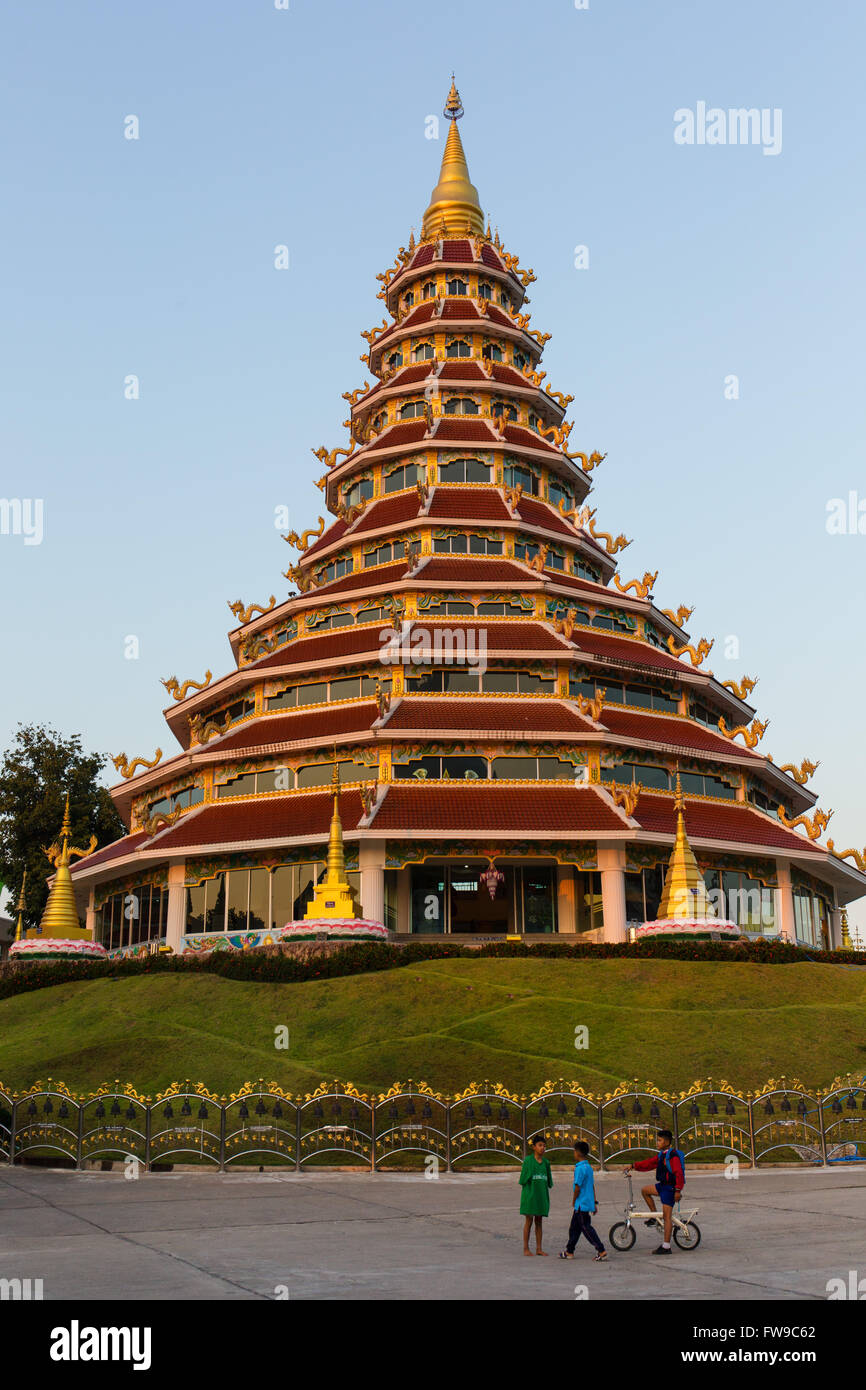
(541, 1252)
(528, 1252)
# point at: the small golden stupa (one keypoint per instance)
(60, 932)
(846, 943)
(454, 208)
(19, 928)
(685, 909)
(333, 896)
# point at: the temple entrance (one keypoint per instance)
(453, 898)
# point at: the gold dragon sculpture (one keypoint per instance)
(561, 399)
(513, 495)
(751, 735)
(127, 768)
(565, 626)
(160, 821)
(354, 396)
(625, 795)
(371, 334)
(178, 691)
(800, 774)
(302, 542)
(814, 828)
(203, 727)
(642, 587)
(587, 463)
(741, 688)
(243, 614)
(329, 458)
(54, 852)
(539, 560)
(697, 655)
(557, 435)
(681, 616)
(855, 854)
(592, 708)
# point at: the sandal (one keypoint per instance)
(564, 1255)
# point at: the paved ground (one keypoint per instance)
(768, 1235)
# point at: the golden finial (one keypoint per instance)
(332, 898)
(454, 206)
(846, 935)
(60, 917)
(685, 893)
(19, 930)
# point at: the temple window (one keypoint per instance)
(448, 681)
(407, 475)
(654, 778)
(411, 409)
(423, 352)
(464, 471)
(704, 784)
(185, 797)
(534, 421)
(458, 347)
(705, 714)
(408, 299)
(585, 571)
(517, 683)
(609, 622)
(335, 570)
(461, 405)
(320, 692)
(492, 352)
(501, 609)
(485, 290)
(395, 360)
(462, 544)
(320, 774)
(360, 491)
(428, 289)
(516, 474)
(457, 286)
(137, 915)
(558, 492)
(520, 360)
(328, 621)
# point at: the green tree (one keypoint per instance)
(36, 773)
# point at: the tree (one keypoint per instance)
(35, 775)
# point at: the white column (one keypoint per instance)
(371, 862)
(176, 917)
(566, 921)
(785, 902)
(90, 919)
(611, 863)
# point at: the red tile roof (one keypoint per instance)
(277, 818)
(496, 315)
(423, 256)
(388, 511)
(407, 432)
(455, 569)
(492, 715)
(459, 308)
(332, 534)
(465, 503)
(486, 810)
(541, 514)
(407, 375)
(508, 376)
(117, 850)
(489, 257)
(527, 439)
(718, 820)
(624, 649)
(454, 370)
(293, 727)
(457, 251)
(682, 733)
(329, 648)
(463, 429)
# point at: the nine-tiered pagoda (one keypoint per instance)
(507, 716)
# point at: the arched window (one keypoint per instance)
(464, 471)
(520, 360)
(461, 405)
(503, 408)
(534, 421)
(395, 360)
(485, 290)
(379, 421)
(458, 347)
(408, 299)
(492, 352)
(428, 289)
(411, 409)
(422, 352)
(456, 286)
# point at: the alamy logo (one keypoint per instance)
(739, 125)
(77, 1343)
(409, 645)
(21, 1290)
(22, 516)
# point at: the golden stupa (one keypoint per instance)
(333, 896)
(454, 207)
(60, 932)
(19, 927)
(685, 908)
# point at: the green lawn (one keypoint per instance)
(448, 1023)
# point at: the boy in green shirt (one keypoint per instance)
(536, 1180)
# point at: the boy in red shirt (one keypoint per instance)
(670, 1177)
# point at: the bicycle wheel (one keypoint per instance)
(622, 1236)
(688, 1236)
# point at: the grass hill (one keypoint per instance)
(448, 1022)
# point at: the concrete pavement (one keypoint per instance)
(318, 1235)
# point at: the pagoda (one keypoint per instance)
(60, 934)
(503, 710)
(685, 910)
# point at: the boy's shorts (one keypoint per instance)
(667, 1194)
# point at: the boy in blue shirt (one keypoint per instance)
(585, 1206)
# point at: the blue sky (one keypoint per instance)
(306, 127)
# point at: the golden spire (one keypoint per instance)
(685, 893)
(846, 943)
(19, 930)
(60, 917)
(454, 206)
(333, 896)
